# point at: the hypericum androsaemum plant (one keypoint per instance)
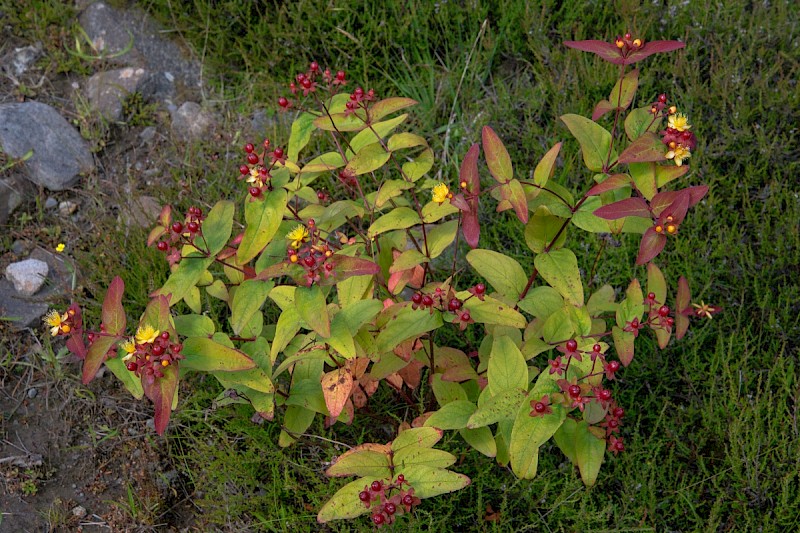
(347, 245)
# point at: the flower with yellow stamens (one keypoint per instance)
(298, 236)
(60, 247)
(56, 321)
(146, 334)
(440, 193)
(678, 122)
(678, 154)
(130, 349)
(255, 178)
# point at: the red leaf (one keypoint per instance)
(469, 169)
(515, 195)
(682, 307)
(459, 202)
(676, 208)
(471, 228)
(645, 149)
(96, 356)
(602, 107)
(497, 158)
(617, 181)
(345, 267)
(653, 47)
(76, 346)
(651, 245)
(161, 391)
(113, 313)
(629, 207)
(607, 51)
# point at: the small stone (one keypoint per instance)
(32, 393)
(79, 511)
(189, 120)
(27, 276)
(13, 191)
(18, 247)
(66, 208)
(50, 203)
(148, 134)
(107, 90)
(21, 59)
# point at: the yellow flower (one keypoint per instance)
(146, 334)
(60, 247)
(440, 193)
(55, 321)
(129, 348)
(678, 154)
(255, 178)
(298, 236)
(679, 122)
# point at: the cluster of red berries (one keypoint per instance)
(626, 43)
(570, 350)
(259, 165)
(613, 419)
(150, 358)
(314, 257)
(442, 301)
(358, 99)
(348, 178)
(180, 233)
(386, 500)
(307, 82)
(658, 315)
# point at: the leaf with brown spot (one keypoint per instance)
(336, 388)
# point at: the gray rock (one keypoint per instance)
(50, 203)
(190, 121)
(13, 191)
(142, 212)
(111, 31)
(18, 247)
(66, 208)
(148, 134)
(60, 155)
(27, 276)
(32, 393)
(107, 90)
(20, 60)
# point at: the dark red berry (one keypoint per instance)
(162, 245)
(574, 391)
(627, 36)
(539, 407)
(158, 349)
(175, 348)
(390, 508)
(572, 345)
(340, 75)
(427, 301)
(244, 170)
(416, 298)
(454, 304)
(320, 195)
(314, 66)
(597, 348)
(255, 192)
(252, 159)
(376, 486)
(306, 83)
(193, 227)
(480, 288)
(249, 148)
(329, 267)
(604, 395)
(612, 424)
(651, 296)
(408, 499)
(177, 227)
(663, 311)
(278, 153)
(613, 366)
(165, 335)
(363, 496)
(283, 102)
(465, 316)
(378, 519)
(132, 366)
(662, 98)
(401, 478)
(670, 321)
(619, 412)
(310, 261)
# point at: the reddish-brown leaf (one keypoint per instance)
(607, 51)
(497, 158)
(651, 245)
(645, 149)
(161, 392)
(602, 107)
(471, 228)
(653, 47)
(336, 388)
(629, 207)
(113, 313)
(617, 181)
(469, 169)
(683, 308)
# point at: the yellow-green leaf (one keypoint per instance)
(559, 268)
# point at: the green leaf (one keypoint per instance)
(542, 302)
(514, 194)
(302, 128)
(406, 323)
(365, 460)
(386, 106)
(544, 170)
(375, 133)
(453, 415)
(342, 122)
(595, 141)
(440, 237)
(497, 158)
(341, 339)
(359, 313)
(507, 367)
(492, 312)
(184, 278)
(255, 379)
(542, 228)
(502, 405)
(345, 503)
(406, 260)
(398, 218)
(481, 439)
(623, 344)
(602, 301)
(216, 228)
(589, 452)
(132, 383)
(447, 391)
(369, 158)
(559, 268)
(639, 121)
(429, 482)
(565, 438)
(646, 148)
(415, 456)
(558, 327)
(389, 189)
(247, 300)
(194, 326)
(206, 355)
(419, 166)
(113, 313)
(311, 307)
(433, 212)
(502, 272)
(324, 162)
(296, 421)
(424, 437)
(262, 218)
(157, 315)
(404, 140)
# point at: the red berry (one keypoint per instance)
(604, 395)
(165, 335)
(278, 153)
(670, 321)
(340, 75)
(454, 304)
(177, 227)
(651, 296)
(662, 98)
(416, 298)
(158, 349)
(613, 423)
(539, 407)
(627, 36)
(574, 391)
(306, 83)
(193, 227)
(465, 316)
(310, 261)
(320, 195)
(329, 267)
(401, 478)
(390, 508)
(378, 519)
(427, 301)
(252, 159)
(572, 345)
(663, 311)
(175, 348)
(408, 499)
(283, 102)
(613, 366)
(376, 486)
(255, 192)
(619, 412)
(597, 348)
(249, 148)
(244, 170)
(162, 245)
(363, 496)
(314, 66)
(480, 288)
(132, 366)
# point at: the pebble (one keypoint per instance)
(18, 247)
(66, 208)
(79, 511)
(27, 276)
(32, 392)
(50, 203)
